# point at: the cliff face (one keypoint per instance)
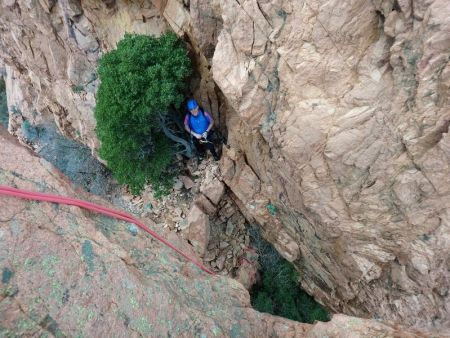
(337, 116)
(67, 272)
(341, 123)
(51, 49)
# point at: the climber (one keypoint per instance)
(198, 123)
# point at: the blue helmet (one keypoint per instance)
(192, 104)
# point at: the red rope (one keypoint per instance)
(8, 191)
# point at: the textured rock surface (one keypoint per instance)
(338, 117)
(69, 272)
(212, 188)
(341, 118)
(51, 49)
(199, 229)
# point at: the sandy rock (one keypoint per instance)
(205, 204)
(230, 228)
(227, 211)
(209, 256)
(213, 189)
(220, 262)
(223, 245)
(247, 274)
(177, 211)
(199, 229)
(178, 185)
(187, 182)
(183, 224)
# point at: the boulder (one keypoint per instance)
(198, 229)
(187, 181)
(205, 204)
(213, 189)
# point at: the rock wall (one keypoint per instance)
(337, 114)
(67, 272)
(340, 146)
(51, 49)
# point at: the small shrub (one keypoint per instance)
(140, 81)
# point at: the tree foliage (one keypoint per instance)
(279, 292)
(141, 80)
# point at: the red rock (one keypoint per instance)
(198, 232)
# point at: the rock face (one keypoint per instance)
(51, 49)
(338, 116)
(68, 272)
(340, 146)
(199, 229)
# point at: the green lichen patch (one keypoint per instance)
(132, 229)
(49, 324)
(235, 331)
(88, 255)
(425, 237)
(25, 325)
(49, 265)
(272, 209)
(142, 325)
(57, 292)
(106, 225)
(7, 274)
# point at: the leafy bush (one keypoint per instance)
(140, 81)
(279, 293)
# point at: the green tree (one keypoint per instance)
(141, 81)
(278, 292)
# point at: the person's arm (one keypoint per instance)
(211, 121)
(188, 129)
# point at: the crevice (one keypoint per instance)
(264, 14)
(396, 6)
(416, 165)
(253, 40)
(31, 49)
(316, 14)
(47, 323)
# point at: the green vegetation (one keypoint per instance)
(3, 105)
(77, 88)
(272, 209)
(279, 291)
(141, 81)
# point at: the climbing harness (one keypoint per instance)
(45, 197)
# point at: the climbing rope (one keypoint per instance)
(45, 197)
